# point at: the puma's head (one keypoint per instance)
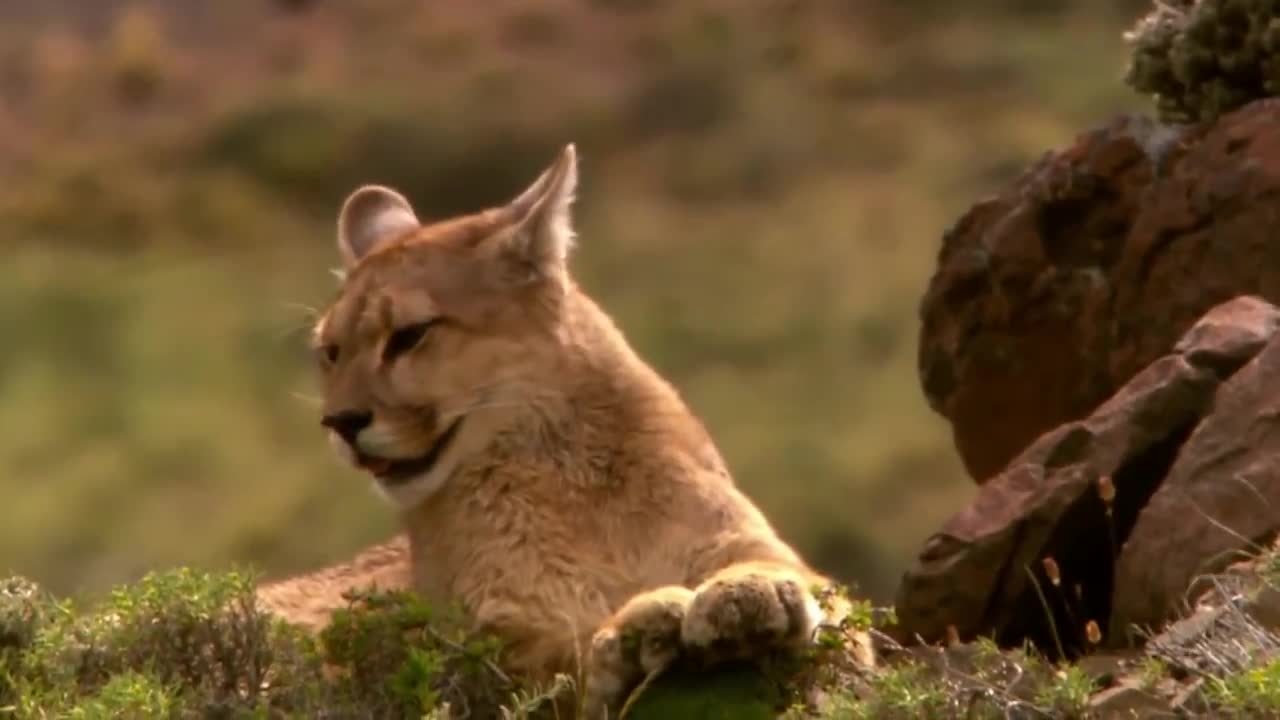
(441, 329)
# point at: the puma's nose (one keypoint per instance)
(348, 423)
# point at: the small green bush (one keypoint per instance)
(188, 642)
(1199, 59)
(392, 652)
(185, 644)
(127, 696)
(1251, 694)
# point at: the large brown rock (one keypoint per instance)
(1220, 498)
(983, 573)
(1051, 296)
(1204, 233)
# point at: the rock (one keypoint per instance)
(1220, 637)
(1127, 701)
(1220, 498)
(1189, 700)
(1202, 235)
(1178, 644)
(984, 571)
(1105, 668)
(1049, 297)
(1014, 316)
(974, 573)
(1264, 607)
(1230, 334)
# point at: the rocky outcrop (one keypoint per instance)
(1222, 494)
(1051, 296)
(1105, 520)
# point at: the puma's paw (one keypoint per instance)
(742, 612)
(641, 639)
(748, 610)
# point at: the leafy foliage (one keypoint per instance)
(1253, 693)
(186, 644)
(1201, 58)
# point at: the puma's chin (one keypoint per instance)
(394, 472)
(406, 481)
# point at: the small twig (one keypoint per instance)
(639, 690)
(489, 664)
(1048, 612)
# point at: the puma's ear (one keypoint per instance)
(542, 215)
(370, 215)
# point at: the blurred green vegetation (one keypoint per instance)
(764, 189)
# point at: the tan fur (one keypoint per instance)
(310, 600)
(581, 511)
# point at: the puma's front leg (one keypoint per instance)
(642, 638)
(744, 611)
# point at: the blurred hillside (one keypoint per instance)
(764, 188)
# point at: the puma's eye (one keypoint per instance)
(404, 339)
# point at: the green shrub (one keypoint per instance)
(1199, 59)
(127, 696)
(1254, 693)
(190, 642)
(186, 644)
(393, 653)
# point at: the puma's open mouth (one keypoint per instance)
(394, 472)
